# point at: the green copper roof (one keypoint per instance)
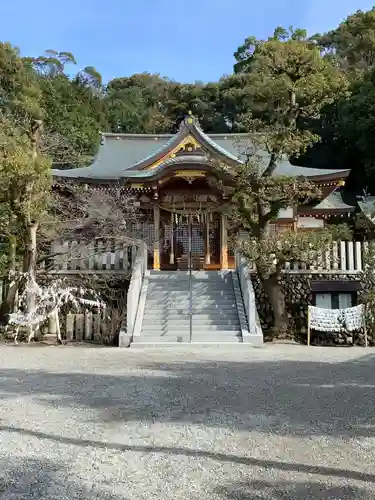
(234, 155)
(334, 201)
(120, 155)
(163, 145)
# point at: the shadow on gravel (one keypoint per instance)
(186, 452)
(283, 397)
(43, 479)
(264, 490)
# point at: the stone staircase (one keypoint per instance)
(218, 314)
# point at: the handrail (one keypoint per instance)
(134, 291)
(248, 296)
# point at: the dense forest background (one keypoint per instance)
(75, 108)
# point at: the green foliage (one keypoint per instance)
(25, 181)
(20, 94)
(147, 103)
(74, 116)
(279, 87)
(257, 200)
(346, 125)
(273, 251)
(352, 44)
(24, 173)
(74, 109)
(139, 102)
(356, 119)
(283, 82)
(368, 282)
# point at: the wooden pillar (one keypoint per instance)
(156, 238)
(171, 254)
(224, 241)
(207, 255)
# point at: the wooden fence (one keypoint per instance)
(103, 255)
(343, 257)
(101, 327)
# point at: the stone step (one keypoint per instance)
(194, 281)
(181, 283)
(185, 336)
(201, 291)
(195, 291)
(167, 344)
(185, 300)
(186, 286)
(215, 318)
(183, 329)
(204, 275)
(185, 308)
(162, 310)
(196, 318)
(196, 302)
(204, 315)
(186, 283)
(204, 325)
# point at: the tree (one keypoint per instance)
(25, 179)
(287, 82)
(137, 104)
(355, 122)
(352, 44)
(345, 126)
(203, 100)
(284, 84)
(24, 173)
(74, 109)
(256, 199)
(111, 216)
(147, 103)
(24, 193)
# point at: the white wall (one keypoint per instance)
(286, 213)
(310, 222)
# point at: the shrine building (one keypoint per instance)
(171, 178)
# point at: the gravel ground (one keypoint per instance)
(282, 422)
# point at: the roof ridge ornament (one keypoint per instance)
(189, 120)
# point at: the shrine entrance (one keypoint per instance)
(190, 241)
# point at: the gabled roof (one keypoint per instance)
(189, 128)
(334, 203)
(142, 156)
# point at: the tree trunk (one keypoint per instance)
(8, 305)
(29, 264)
(276, 297)
(31, 227)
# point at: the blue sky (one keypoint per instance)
(186, 40)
